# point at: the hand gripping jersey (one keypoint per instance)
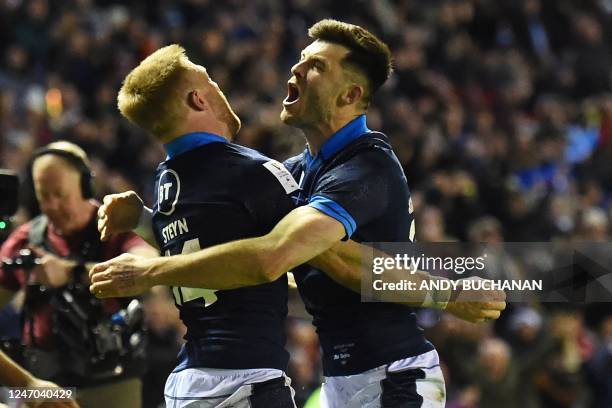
(209, 192)
(357, 179)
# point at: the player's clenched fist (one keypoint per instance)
(119, 213)
(476, 305)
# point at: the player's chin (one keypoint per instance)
(235, 124)
(288, 118)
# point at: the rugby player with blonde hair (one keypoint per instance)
(168, 95)
(208, 191)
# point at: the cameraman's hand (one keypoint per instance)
(38, 383)
(119, 213)
(53, 271)
(476, 306)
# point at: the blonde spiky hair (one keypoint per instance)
(151, 95)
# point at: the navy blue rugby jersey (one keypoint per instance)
(209, 192)
(357, 179)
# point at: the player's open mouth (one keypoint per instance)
(293, 94)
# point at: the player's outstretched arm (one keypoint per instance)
(301, 235)
(346, 262)
(125, 212)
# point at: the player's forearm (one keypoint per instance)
(144, 229)
(236, 264)
(12, 374)
(341, 264)
(427, 298)
(302, 235)
(347, 262)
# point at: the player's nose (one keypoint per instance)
(298, 70)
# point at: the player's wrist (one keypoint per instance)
(144, 224)
(154, 272)
(437, 298)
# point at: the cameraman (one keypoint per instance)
(65, 239)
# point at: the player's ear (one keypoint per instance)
(196, 100)
(352, 94)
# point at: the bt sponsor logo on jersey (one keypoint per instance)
(174, 229)
(168, 191)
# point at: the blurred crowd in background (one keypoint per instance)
(499, 110)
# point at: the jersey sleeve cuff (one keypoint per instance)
(336, 211)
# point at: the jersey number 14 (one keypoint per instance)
(183, 295)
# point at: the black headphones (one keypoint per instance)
(77, 162)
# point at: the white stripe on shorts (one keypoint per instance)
(364, 390)
(215, 387)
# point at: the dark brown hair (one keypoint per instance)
(367, 53)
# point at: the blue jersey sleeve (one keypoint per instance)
(359, 190)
